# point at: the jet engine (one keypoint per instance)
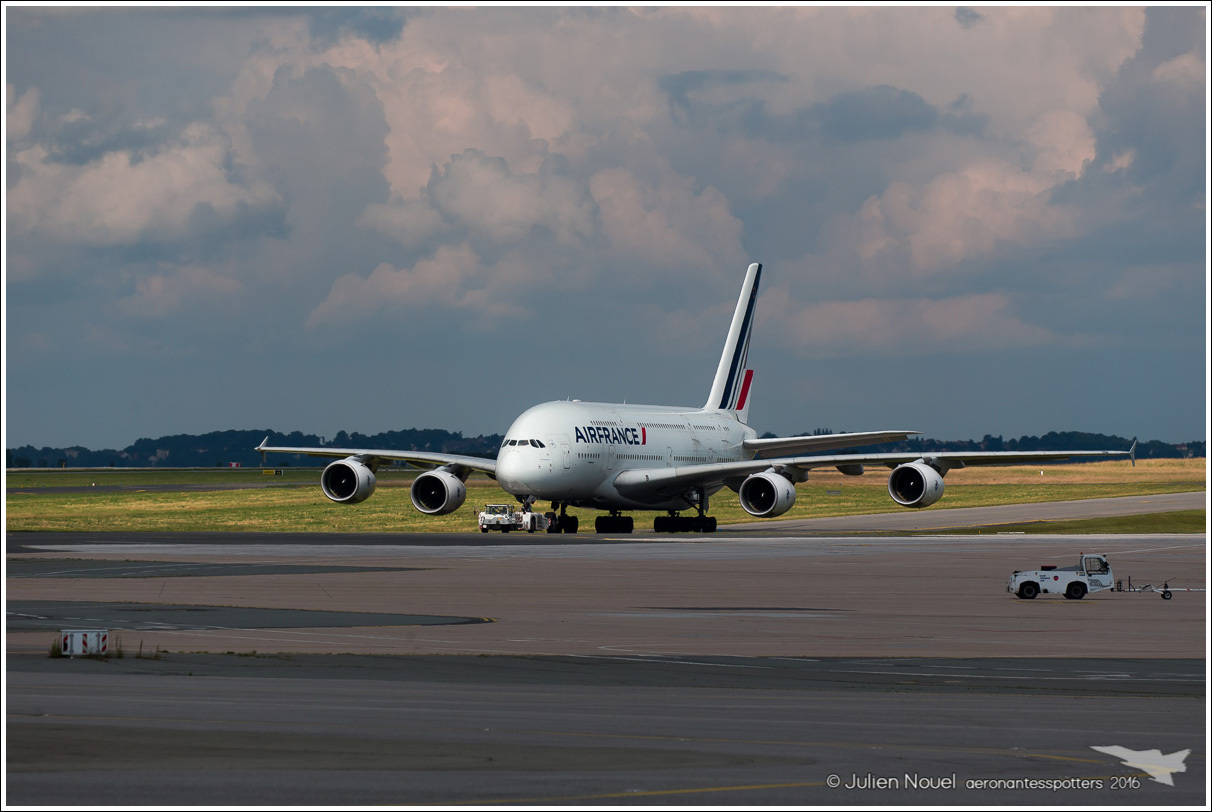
(438, 492)
(348, 481)
(915, 484)
(767, 494)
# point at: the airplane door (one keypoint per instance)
(611, 451)
(720, 446)
(696, 444)
(561, 440)
(545, 455)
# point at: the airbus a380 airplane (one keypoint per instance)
(619, 457)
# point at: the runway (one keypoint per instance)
(739, 668)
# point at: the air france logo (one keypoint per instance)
(601, 434)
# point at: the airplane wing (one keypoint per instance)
(659, 484)
(823, 442)
(422, 459)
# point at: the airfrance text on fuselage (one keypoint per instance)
(601, 434)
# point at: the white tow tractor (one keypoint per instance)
(505, 518)
(1092, 574)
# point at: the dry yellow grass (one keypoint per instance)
(827, 493)
(1116, 472)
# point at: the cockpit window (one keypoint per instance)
(536, 444)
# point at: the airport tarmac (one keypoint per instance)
(739, 668)
(475, 731)
(723, 594)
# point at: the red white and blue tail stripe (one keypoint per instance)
(730, 390)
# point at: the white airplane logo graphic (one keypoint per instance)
(1158, 766)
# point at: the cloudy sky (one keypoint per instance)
(973, 220)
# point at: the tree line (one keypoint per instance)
(1052, 441)
(233, 447)
(225, 448)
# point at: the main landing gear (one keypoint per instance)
(614, 523)
(561, 523)
(673, 523)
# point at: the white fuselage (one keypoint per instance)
(571, 451)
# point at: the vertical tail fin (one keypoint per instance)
(730, 390)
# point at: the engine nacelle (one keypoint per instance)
(915, 484)
(438, 493)
(348, 481)
(767, 494)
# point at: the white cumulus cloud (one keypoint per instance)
(452, 278)
(20, 112)
(118, 198)
(954, 216)
(482, 193)
(190, 288)
(902, 327)
(668, 225)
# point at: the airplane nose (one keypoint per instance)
(510, 472)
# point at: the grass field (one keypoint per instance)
(292, 502)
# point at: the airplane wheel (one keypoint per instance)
(709, 525)
(1075, 591)
(1028, 590)
(1167, 595)
(613, 524)
(570, 524)
(660, 524)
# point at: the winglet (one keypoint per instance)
(1132, 452)
(263, 442)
